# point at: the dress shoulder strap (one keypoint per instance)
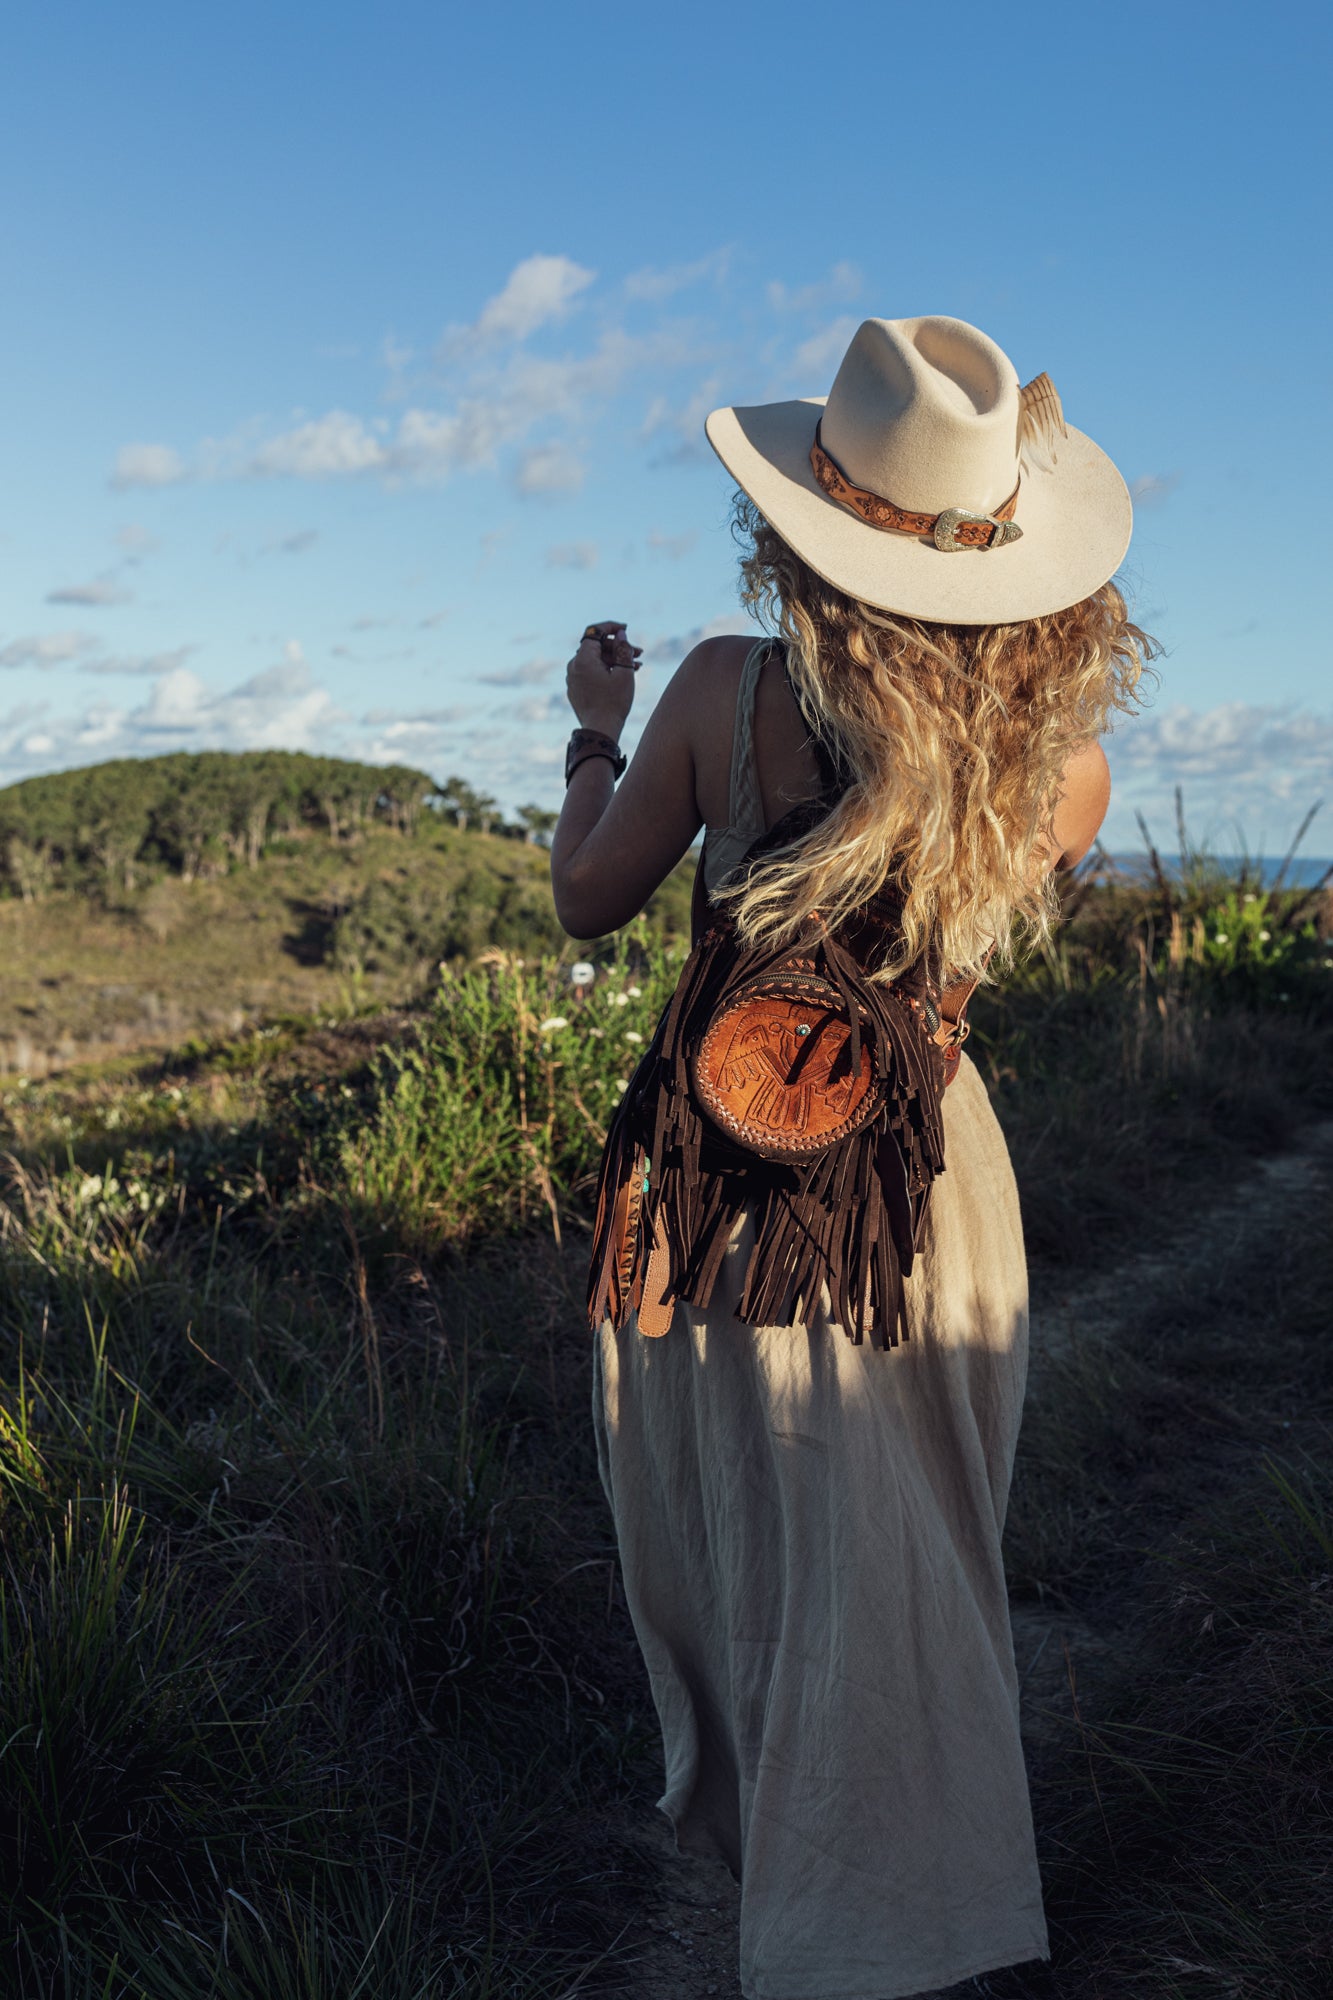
(745, 807)
(833, 772)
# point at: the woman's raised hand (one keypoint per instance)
(600, 678)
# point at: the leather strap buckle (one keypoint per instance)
(949, 522)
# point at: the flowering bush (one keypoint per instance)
(495, 1109)
(1243, 934)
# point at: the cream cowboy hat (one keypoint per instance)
(929, 483)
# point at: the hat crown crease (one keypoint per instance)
(925, 413)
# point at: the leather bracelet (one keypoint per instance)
(586, 743)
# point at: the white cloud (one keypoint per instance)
(521, 676)
(654, 285)
(282, 707)
(324, 448)
(538, 708)
(549, 468)
(673, 547)
(138, 663)
(572, 555)
(136, 541)
(101, 590)
(429, 718)
(1247, 770)
(536, 292)
(395, 354)
(816, 360)
(683, 423)
(843, 283)
(46, 649)
(498, 405)
(435, 740)
(147, 465)
(671, 649)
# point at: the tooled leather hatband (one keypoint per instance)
(953, 529)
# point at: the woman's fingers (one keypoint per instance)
(611, 636)
(600, 696)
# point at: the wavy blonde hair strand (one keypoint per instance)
(956, 736)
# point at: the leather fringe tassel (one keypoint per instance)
(673, 1187)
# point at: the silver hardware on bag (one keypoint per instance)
(953, 518)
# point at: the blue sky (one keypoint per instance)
(354, 357)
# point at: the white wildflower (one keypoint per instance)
(620, 999)
(622, 1085)
(1264, 936)
(552, 1022)
(1221, 938)
(1251, 899)
(635, 992)
(632, 1037)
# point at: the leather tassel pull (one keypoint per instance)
(657, 1308)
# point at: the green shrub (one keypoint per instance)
(493, 1112)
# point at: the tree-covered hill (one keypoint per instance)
(143, 902)
(110, 826)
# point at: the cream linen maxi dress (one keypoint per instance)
(809, 1534)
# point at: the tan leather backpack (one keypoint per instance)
(789, 1081)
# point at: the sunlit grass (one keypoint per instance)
(314, 1678)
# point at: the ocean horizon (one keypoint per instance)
(1302, 873)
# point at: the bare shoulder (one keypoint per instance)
(697, 712)
(1085, 796)
(707, 678)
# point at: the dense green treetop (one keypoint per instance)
(195, 813)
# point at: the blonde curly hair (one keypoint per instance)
(956, 738)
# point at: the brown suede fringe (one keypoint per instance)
(673, 1185)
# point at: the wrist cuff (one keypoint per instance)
(585, 743)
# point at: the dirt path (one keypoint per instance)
(690, 1944)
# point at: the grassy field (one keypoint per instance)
(316, 927)
(314, 1676)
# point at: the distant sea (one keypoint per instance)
(1304, 871)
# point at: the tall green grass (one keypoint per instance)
(314, 1677)
(492, 1113)
(300, 1668)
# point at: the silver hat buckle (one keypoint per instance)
(951, 520)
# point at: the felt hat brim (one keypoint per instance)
(1076, 522)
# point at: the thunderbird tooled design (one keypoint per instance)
(785, 1067)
